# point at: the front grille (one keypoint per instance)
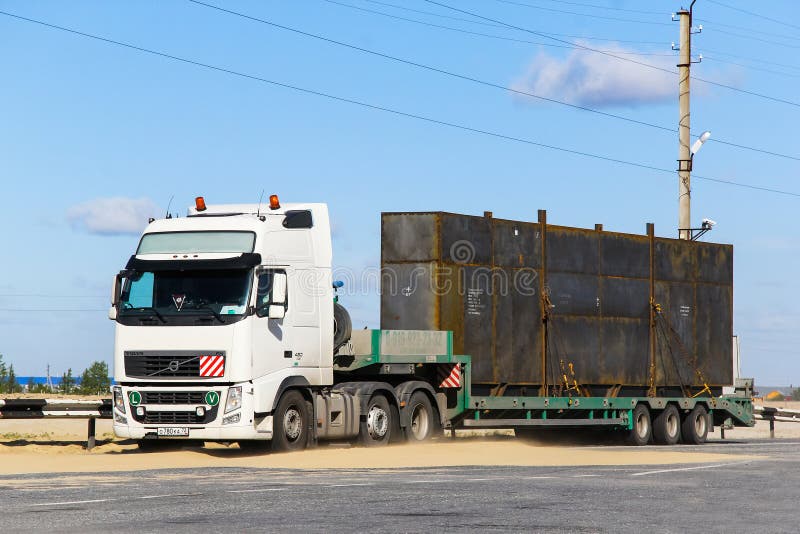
(173, 397)
(172, 418)
(153, 417)
(165, 364)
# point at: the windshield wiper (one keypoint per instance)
(149, 308)
(207, 307)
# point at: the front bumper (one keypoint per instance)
(148, 408)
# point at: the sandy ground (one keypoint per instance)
(52, 446)
(57, 446)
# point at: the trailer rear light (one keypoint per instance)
(274, 203)
(200, 204)
(119, 400)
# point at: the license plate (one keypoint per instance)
(173, 431)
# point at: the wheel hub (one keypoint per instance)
(292, 424)
(419, 422)
(377, 422)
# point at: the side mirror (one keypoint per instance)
(278, 291)
(116, 287)
(115, 290)
(277, 311)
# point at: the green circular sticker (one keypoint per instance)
(135, 397)
(212, 398)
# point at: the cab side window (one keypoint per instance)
(271, 293)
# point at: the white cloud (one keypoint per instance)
(112, 216)
(591, 79)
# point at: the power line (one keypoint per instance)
(751, 30)
(469, 32)
(431, 13)
(465, 77)
(587, 48)
(755, 60)
(754, 38)
(427, 67)
(751, 13)
(751, 67)
(607, 8)
(396, 112)
(590, 15)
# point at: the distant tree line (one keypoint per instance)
(94, 381)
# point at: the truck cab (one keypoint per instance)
(217, 313)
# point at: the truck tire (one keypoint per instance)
(342, 326)
(667, 426)
(694, 429)
(376, 429)
(422, 418)
(642, 427)
(290, 422)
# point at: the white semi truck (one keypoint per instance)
(228, 329)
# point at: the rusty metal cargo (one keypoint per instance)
(543, 308)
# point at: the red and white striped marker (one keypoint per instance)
(450, 375)
(213, 366)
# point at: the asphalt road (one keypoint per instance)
(734, 496)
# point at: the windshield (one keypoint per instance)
(172, 293)
(191, 242)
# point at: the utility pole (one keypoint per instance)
(684, 131)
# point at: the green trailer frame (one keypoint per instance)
(462, 409)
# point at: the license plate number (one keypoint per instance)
(173, 431)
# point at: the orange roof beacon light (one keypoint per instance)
(274, 203)
(200, 204)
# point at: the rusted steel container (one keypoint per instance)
(534, 303)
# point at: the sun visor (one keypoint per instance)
(243, 261)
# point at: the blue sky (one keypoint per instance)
(96, 137)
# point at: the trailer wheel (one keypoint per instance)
(376, 429)
(667, 426)
(422, 418)
(290, 423)
(694, 429)
(642, 428)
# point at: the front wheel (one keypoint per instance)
(694, 428)
(290, 423)
(376, 429)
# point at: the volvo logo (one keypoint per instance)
(174, 365)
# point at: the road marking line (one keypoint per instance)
(71, 502)
(346, 485)
(687, 468)
(255, 490)
(169, 495)
(583, 476)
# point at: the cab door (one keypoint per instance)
(273, 326)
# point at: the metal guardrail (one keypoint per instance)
(768, 413)
(59, 408)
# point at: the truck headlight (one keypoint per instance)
(234, 400)
(119, 400)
